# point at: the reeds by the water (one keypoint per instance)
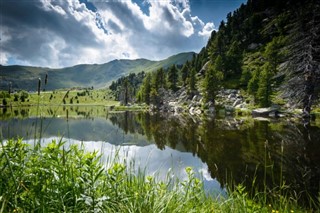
(54, 178)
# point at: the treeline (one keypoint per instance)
(125, 88)
(150, 87)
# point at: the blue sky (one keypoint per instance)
(60, 33)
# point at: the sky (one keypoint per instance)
(61, 33)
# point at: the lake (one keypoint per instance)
(222, 150)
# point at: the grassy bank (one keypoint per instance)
(72, 97)
(54, 178)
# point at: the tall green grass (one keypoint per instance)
(57, 178)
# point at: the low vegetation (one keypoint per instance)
(72, 97)
(54, 178)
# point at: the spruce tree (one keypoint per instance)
(184, 73)
(212, 80)
(264, 90)
(192, 82)
(173, 78)
(146, 88)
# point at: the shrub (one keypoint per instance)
(4, 102)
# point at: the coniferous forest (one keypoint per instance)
(268, 49)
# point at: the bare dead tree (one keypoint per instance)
(303, 66)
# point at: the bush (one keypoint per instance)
(4, 102)
(23, 96)
(16, 97)
(4, 94)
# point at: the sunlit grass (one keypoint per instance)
(75, 97)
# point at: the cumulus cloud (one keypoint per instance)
(207, 29)
(58, 33)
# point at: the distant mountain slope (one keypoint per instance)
(84, 75)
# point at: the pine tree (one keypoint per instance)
(160, 79)
(184, 72)
(192, 82)
(173, 78)
(212, 80)
(264, 90)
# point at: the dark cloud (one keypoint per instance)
(32, 31)
(114, 26)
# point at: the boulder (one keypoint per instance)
(211, 110)
(178, 109)
(240, 106)
(253, 46)
(237, 102)
(231, 96)
(198, 111)
(265, 112)
(191, 111)
(196, 98)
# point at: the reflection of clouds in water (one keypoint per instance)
(156, 162)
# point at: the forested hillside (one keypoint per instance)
(268, 49)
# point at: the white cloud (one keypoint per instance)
(60, 33)
(207, 30)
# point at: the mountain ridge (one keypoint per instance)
(82, 75)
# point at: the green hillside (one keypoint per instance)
(84, 75)
(267, 49)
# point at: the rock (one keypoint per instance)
(211, 110)
(237, 102)
(253, 46)
(209, 104)
(264, 112)
(231, 96)
(178, 109)
(273, 114)
(198, 111)
(196, 98)
(204, 68)
(191, 110)
(191, 105)
(261, 119)
(229, 108)
(240, 106)
(172, 103)
(183, 96)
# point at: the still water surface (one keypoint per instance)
(221, 150)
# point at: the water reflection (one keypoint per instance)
(224, 149)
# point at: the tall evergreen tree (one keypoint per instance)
(184, 72)
(264, 90)
(146, 88)
(212, 80)
(192, 82)
(161, 79)
(173, 78)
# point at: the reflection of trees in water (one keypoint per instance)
(238, 154)
(11, 112)
(127, 121)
